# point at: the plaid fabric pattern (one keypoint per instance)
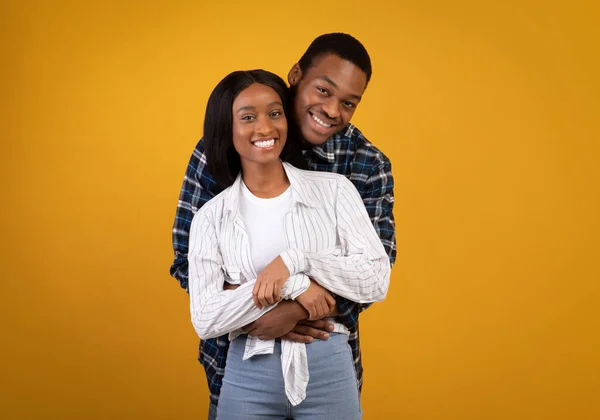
(348, 153)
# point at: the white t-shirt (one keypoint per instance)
(264, 220)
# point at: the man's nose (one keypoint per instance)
(332, 108)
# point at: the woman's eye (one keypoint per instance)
(248, 117)
(275, 114)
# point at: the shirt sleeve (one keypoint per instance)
(378, 198)
(215, 311)
(377, 194)
(358, 269)
(197, 189)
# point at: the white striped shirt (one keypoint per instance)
(330, 238)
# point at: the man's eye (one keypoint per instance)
(348, 104)
(322, 90)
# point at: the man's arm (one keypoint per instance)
(198, 188)
(378, 198)
(289, 320)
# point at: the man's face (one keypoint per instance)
(326, 96)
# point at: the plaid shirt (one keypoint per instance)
(348, 153)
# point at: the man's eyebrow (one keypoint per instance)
(332, 83)
(328, 80)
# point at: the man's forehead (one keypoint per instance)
(339, 73)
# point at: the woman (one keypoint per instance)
(271, 228)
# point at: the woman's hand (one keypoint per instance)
(317, 301)
(269, 283)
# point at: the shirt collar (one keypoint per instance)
(298, 182)
(326, 151)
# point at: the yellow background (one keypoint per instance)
(488, 113)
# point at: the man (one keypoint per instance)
(327, 85)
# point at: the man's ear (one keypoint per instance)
(294, 75)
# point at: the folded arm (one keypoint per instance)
(358, 269)
(216, 311)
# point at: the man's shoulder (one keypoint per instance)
(213, 207)
(364, 150)
(198, 158)
(321, 178)
(197, 170)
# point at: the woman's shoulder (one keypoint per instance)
(322, 177)
(325, 182)
(318, 177)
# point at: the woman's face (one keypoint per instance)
(259, 125)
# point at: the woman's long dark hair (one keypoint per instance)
(221, 157)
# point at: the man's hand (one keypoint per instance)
(317, 301)
(277, 322)
(306, 331)
(269, 283)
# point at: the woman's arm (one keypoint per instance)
(215, 311)
(359, 269)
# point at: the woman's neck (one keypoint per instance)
(265, 181)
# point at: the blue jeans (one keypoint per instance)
(253, 389)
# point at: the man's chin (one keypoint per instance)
(314, 139)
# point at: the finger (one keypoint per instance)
(316, 312)
(262, 295)
(311, 311)
(259, 294)
(269, 294)
(320, 324)
(319, 310)
(249, 327)
(265, 337)
(324, 309)
(330, 301)
(255, 294)
(276, 292)
(298, 338)
(311, 332)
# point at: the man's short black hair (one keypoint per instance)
(222, 159)
(344, 46)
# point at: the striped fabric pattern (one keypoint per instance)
(331, 239)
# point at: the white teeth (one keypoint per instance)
(264, 144)
(324, 124)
